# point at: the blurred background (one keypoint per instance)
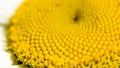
(7, 9)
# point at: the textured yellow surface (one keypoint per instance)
(67, 33)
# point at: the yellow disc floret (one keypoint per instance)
(67, 33)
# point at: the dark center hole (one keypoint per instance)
(77, 17)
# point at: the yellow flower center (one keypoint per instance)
(67, 33)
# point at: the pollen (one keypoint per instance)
(66, 33)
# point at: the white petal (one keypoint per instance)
(7, 9)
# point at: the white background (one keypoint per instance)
(7, 9)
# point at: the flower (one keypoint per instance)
(65, 33)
